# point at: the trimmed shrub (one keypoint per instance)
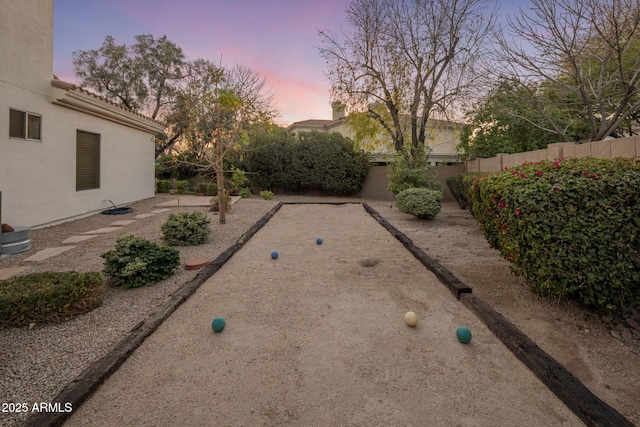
(182, 186)
(245, 193)
(137, 262)
(266, 194)
(423, 203)
(186, 229)
(163, 185)
(571, 226)
(48, 297)
(215, 205)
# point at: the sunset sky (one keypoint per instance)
(278, 38)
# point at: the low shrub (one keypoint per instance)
(202, 188)
(137, 262)
(186, 229)
(423, 203)
(163, 185)
(245, 193)
(182, 186)
(571, 227)
(266, 194)
(48, 297)
(211, 190)
(215, 205)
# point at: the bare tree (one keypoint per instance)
(214, 107)
(415, 58)
(581, 55)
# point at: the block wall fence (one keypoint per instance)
(610, 148)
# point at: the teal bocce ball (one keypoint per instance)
(218, 324)
(464, 335)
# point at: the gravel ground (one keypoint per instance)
(37, 363)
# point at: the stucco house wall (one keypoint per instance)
(441, 139)
(38, 177)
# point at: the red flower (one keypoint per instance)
(538, 173)
(518, 211)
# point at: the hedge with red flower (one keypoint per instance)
(570, 226)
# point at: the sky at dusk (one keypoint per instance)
(277, 38)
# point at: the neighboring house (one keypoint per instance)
(64, 151)
(441, 140)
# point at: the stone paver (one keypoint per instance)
(157, 211)
(142, 216)
(78, 239)
(5, 273)
(123, 222)
(103, 230)
(47, 253)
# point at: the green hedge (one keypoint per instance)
(186, 229)
(459, 184)
(569, 226)
(163, 186)
(422, 203)
(48, 297)
(311, 161)
(137, 262)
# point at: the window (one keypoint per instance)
(87, 160)
(24, 125)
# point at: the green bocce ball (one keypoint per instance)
(464, 335)
(218, 324)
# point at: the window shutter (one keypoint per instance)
(87, 160)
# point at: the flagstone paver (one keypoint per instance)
(78, 239)
(47, 253)
(142, 216)
(103, 230)
(5, 273)
(124, 222)
(157, 211)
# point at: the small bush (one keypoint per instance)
(186, 229)
(212, 190)
(266, 194)
(48, 297)
(420, 202)
(163, 186)
(245, 193)
(137, 262)
(182, 186)
(202, 188)
(215, 206)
